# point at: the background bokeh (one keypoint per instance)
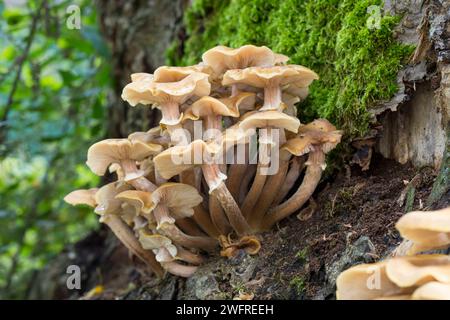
(53, 85)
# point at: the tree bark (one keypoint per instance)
(139, 33)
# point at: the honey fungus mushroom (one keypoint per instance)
(121, 151)
(394, 278)
(426, 229)
(169, 255)
(109, 209)
(271, 80)
(174, 195)
(180, 158)
(319, 137)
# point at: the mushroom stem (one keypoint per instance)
(268, 194)
(189, 256)
(272, 97)
(140, 183)
(126, 236)
(201, 216)
(205, 222)
(254, 192)
(179, 269)
(182, 239)
(260, 178)
(246, 179)
(218, 189)
(236, 174)
(218, 216)
(189, 227)
(297, 164)
(315, 163)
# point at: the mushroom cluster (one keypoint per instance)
(221, 167)
(406, 277)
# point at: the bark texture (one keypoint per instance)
(139, 33)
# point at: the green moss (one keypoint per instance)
(302, 255)
(357, 65)
(298, 284)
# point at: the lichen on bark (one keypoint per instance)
(358, 61)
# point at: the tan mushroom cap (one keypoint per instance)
(82, 196)
(102, 154)
(180, 198)
(299, 146)
(319, 133)
(138, 91)
(177, 159)
(209, 106)
(195, 84)
(174, 74)
(154, 242)
(427, 230)
(280, 59)
(263, 77)
(365, 282)
(417, 270)
(154, 135)
(432, 291)
(223, 58)
(243, 101)
(106, 201)
(140, 200)
(270, 118)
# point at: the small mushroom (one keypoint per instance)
(109, 209)
(222, 58)
(266, 120)
(168, 96)
(167, 254)
(319, 137)
(427, 230)
(271, 79)
(121, 151)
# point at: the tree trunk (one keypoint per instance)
(139, 33)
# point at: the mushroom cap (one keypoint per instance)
(82, 196)
(299, 146)
(177, 159)
(356, 283)
(417, 270)
(106, 198)
(138, 91)
(145, 90)
(209, 106)
(427, 230)
(195, 84)
(432, 291)
(155, 242)
(320, 133)
(260, 77)
(154, 135)
(140, 200)
(223, 58)
(102, 154)
(174, 74)
(280, 59)
(243, 101)
(270, 118)
(180, 198)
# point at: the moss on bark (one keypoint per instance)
(358, 64)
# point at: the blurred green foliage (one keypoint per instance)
(53, 85)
